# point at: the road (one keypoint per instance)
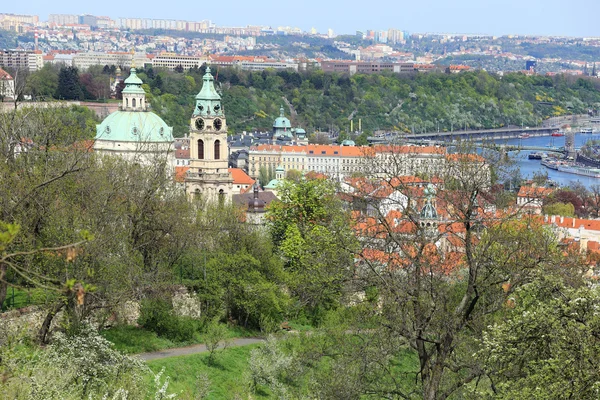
(194, 349)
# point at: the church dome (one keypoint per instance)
(134, 123)
(282, 122)
(134, 126)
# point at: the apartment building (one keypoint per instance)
(365, 67)
(172, 61)
(22, 60)
(121, 59)
(15, 22)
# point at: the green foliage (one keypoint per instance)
(416, 102)
(157, 316)
(69, 86)
(313, 235)
(563, 209)
(546, 345)
(77, 367)
(215, 338)
(133, 340)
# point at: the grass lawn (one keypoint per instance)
(226, 375)
(132, 340)
(18, 298)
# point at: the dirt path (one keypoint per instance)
(194, 349)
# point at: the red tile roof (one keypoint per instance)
(4, 75)
(180, 173)
(240, 177)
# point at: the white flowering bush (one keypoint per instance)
(268, 365)
(85, 366)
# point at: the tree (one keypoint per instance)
(564, 209)
(546, 345)
(43, 83)
(438, 265)
(312, 233)
(69, 87)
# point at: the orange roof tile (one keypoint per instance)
(534, 192)
(180, 173)
(240, 177)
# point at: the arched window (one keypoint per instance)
(200, 149)
(133, 103)
(126, 103)
(217, 149)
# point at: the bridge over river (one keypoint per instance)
(548, 127)
(479, 135)
(490, 145)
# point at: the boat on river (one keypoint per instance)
(550, 163)
(558, 134)
(537, 155)
(524, 136)
(585, 171)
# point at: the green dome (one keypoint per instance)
(282, 122)
(133, 78)
(134, 126)
(133, 83)
(273, 184)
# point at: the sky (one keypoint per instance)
(547, 17)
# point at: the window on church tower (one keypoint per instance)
(217, 149)
(133, 103)
(200, 149)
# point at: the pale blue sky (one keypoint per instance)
(552, 17)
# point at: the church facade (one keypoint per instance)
(208, 177)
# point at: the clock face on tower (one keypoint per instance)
(199, 124)
(218, 124)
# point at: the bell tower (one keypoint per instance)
(208, 177)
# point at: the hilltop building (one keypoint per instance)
(134, 132)
(208, 177)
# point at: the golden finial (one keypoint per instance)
(132, 57)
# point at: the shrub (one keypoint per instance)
(157, 315)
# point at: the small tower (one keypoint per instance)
(208, 176)
(134, 97)
(428, 217)
(256, 208)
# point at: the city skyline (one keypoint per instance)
(535, 17)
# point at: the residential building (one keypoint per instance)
(339, 161)
(7, 85)
(85, 60)
(365, 67)
(531, 197)
(241, 181)
(20, 59)
(63, 19)
(172, 61)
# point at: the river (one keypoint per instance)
(528, 167)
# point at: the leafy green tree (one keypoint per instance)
(69, 86)
(43, 83)
(312, 233)
(564, 209)
(546, 344)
